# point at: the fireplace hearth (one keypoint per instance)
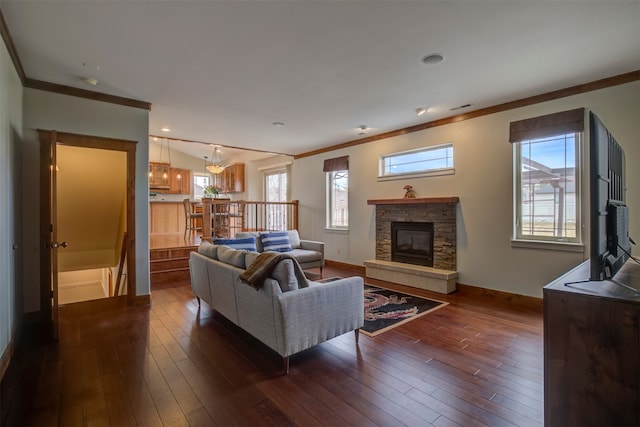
(412, 242)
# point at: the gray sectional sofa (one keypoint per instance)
(285, 314)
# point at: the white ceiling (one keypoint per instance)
(223, 71)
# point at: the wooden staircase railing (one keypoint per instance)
(223, 218)
(123, 255)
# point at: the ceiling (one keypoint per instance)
(223, 72)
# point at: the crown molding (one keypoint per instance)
(536, 99)
(13, 53)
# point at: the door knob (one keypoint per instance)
(55, 245)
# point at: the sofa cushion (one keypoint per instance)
(285, 276)
(248, 243)
(304, 256)
(294, 238)
(277, 241)
(208, 250)
(232, 256)
(282, 273)
(250, 257)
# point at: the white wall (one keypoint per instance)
(10, 136)
(483, 181)
(254, 174)
(46, 110)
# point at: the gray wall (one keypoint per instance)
(10, 136)
(46, 110)
(484, 182)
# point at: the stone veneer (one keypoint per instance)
(442, 215)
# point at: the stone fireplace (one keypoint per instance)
(439, 215)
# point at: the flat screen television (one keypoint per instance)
(610, 242)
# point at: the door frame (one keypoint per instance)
(46, 226)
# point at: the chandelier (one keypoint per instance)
(217, 164)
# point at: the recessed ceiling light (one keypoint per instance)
(165, 129)
(433, 59)
(90, 81)
(277, 124)
(420, 111)
(362, 129)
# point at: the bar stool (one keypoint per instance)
(190, 217)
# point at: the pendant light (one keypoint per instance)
(217, 164)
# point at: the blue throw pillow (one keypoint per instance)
(277, 241)
(248, 243)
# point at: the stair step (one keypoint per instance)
(169, 276)
(169, 253)
(170, 264)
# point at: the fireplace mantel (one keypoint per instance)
(419, 201)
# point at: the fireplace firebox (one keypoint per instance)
(412, 242)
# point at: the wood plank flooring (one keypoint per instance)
(475, 362)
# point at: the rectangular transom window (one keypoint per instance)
(437, 160)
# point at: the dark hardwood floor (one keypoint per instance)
(477, 361)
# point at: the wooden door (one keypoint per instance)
(49, 232)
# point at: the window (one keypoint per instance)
(435, 160)
(547, 177)
(199, 183)
(275, 184)
(337, 170)
(275, 187)
(338, 199)
(547, 188)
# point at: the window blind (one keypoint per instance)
(336, 164)
(571, 121)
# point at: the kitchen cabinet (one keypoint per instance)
(165, 179)
(179, 181)
(231, 179)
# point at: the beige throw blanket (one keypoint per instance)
(263, 266)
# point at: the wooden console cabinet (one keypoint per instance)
(592, 349)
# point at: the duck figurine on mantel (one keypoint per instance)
(409, 192)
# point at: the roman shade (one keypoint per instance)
(336, 164)
(549, 125)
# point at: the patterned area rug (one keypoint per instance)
(385, 309)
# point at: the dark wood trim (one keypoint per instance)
(6, 358)
(83, 93)
(159, 137)
(359, 270)
(418, 201)
(549, 96)
(501, 297)
(13, 53)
